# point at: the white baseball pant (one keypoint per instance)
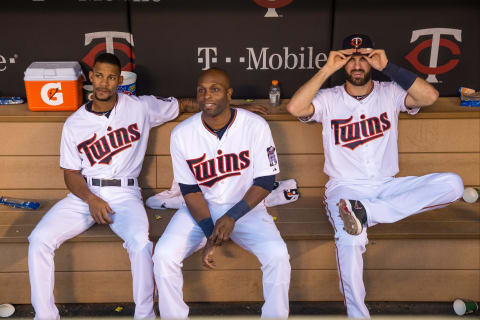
(385, 202)
(71, 216)
(255, 232)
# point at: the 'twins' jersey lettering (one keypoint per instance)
(352, 134)
(208, 172)
(103, 149)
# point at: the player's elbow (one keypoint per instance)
(431, 96)
(294, 109)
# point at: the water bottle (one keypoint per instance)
(274, 94)
(19, 203)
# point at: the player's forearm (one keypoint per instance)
(77, 185)
(189, 105)
(300, 105)
(252, 197)
(197, 205)
(422, 94)
(255, 195)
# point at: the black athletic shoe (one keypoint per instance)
(354, 216)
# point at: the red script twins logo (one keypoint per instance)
(208, 172)
(352, 134)
(103, 149)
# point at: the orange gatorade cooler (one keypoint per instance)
(54, 86)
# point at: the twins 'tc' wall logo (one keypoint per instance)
(110, 46)
(434, 43)
(51, 94)
(272, 5)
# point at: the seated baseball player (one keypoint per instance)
(225, 162)
(102, 150)
(360, 121)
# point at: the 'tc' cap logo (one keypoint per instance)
(435, 43)
(51, 94)
(272, 5)
(356, 42)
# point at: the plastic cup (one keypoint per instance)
(129, 84)
(6, 310)
(462, 307)
(470, 195)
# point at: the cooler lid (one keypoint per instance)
(55, 70)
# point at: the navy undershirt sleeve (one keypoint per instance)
(403, 77)
(266, 182)
(189, 188)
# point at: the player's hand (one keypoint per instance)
(255, 108)
(376, 58)
(337, 59)
(207, 255)
(100, 210)
(223, 229)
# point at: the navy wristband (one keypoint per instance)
(401, 76)
(238, 210)
(207, 226)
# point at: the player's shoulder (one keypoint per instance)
(78, 115)
(249, 123)
(331, 92)
(385, 85)
(387, 89)
(188, 125)
(335, 91)
(249, 117)
(146, 100)
(130, 99)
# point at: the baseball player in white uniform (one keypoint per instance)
(360, 124)
(102, 149)
(225, 162)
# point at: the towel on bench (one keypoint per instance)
(285, 191)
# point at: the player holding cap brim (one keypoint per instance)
(360, 122)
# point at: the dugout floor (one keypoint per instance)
(298, 310)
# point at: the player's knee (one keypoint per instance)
(278, 255)
(456, 183)
(137, 243)
(40, 239)
(165, 250)
(165, 261)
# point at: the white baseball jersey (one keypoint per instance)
(102, 147)
(113, 147)
(361, 158)
(360, 136)
(224, 169)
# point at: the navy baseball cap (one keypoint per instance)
(357, 41)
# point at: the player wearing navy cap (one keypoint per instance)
(360, 122)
